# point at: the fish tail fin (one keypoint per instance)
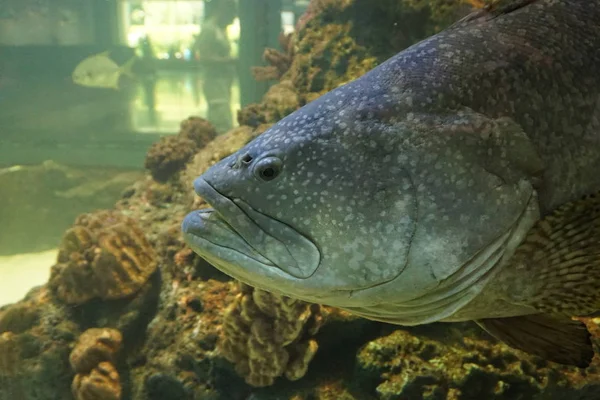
(127, 68)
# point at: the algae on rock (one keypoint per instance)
(409, 365)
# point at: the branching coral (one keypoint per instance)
(105, 255)
(171, 153)
(267, 336)
(93, 360)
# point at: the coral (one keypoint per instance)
(10, 363)
(251, 115)
(170, 154)
(94, 346)
(34, 362)
(266, 73)
(414, 366)
(446, 10)
(105, 255)
(9, 355)
(102, 383)
(280, 100)
(92, 360)
(197, 129)
(19, 318)
(279, 62)
(180, 344)
(267, 336)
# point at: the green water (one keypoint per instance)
(101, 298)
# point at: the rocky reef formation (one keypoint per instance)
(102, 382)
(131, 313)
(35, 339)
(104, 255)
(416, 365)
(170, 154)
(267, 336)
(93, 360)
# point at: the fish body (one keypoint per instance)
(100, 71)
(419, 192)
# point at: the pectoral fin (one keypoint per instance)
(554, 338)
(556, 269)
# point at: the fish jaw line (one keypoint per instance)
(245, 265)
(270, 242)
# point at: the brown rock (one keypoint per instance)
(104, 255)
(93, 347)
(170, 154)
(267, 336)
(197, 129)
(102, 383)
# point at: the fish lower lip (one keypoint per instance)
(209, 226)
(279, 244)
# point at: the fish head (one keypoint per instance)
(82, 77)
(350, 202)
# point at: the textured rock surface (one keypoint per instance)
(94, 346)
(267, 336)
(101, 383)
(170, 154)
(407, 365)
(34, 360)
(104, 255)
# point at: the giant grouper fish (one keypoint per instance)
(455, 181)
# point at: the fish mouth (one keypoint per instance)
(245, 243)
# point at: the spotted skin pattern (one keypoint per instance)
(401, 195)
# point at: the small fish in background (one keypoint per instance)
(100, 71)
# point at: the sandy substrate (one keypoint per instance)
(19, 273)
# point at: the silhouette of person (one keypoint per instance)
(217, 66)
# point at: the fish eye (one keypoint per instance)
(268, 168)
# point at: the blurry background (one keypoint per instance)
(67, 149)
